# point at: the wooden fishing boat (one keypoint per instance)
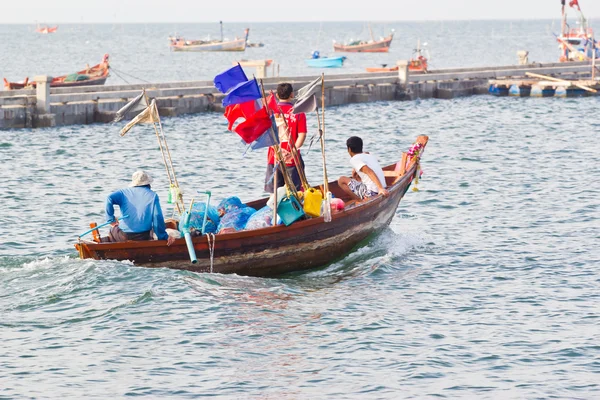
(275, 250)
(95, 75)
(46, 29)
(361, 46)
(418, 65)
(576, 44)
(253, 63)
(237, 44)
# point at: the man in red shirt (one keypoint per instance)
(292, 128)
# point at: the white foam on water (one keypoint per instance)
(383, 249)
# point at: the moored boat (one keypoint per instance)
(363, 46)
(324, 62)
(46, 29)
(95, 75)
(237, 44)
(303, 245)
(253, 63)
(418, 63)
(576, 44)
(415, 65)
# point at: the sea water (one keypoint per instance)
(486, 284)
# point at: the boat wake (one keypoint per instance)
(383, 253)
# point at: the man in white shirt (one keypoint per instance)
(367, 176)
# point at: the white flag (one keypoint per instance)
(148, 116)
(134, 105)
(309, 89)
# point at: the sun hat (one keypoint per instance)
(140, 178)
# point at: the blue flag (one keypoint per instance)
(243, 92)
(230, 78)
(266, 139)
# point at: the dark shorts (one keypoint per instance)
(117, 235)
(292, 171)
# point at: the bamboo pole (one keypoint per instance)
(322, 134)
(326, 194)
(550, 78)
(275, 197)
(593, 59)
(162, 151)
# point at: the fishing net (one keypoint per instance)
(197, 218)
(76, 77)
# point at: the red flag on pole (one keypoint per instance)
(574, 3)
(252, 128)
(243, 110)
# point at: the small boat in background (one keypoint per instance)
(361, 46)
(383, 68)
(95, 75)
(237, 44)
(253, 63)
(416, 64)
(45, 29)
(252, 44)
(576, 44)
(325, 62)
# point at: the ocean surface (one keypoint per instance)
(140, 52)
(486, 285)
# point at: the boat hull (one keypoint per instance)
(269, 251)
(178, 44)
(235, 45)
(329, 62)
(97, 76)
(382, 46)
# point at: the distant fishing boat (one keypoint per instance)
(252, 44)
(95, 75)
(324, 62)
(45, 29)
(237, 44)
(253, 63)
(416, 64)
(576, 44)
(362, 46)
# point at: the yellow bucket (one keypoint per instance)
(312, 202)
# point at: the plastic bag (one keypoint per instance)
(235, 219)
(228, 204)
(263, 218)
(197, 218)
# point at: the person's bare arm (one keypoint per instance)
(382, 190)
(300, 140)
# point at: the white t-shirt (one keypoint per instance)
(362, 159)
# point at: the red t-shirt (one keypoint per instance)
(296, 123)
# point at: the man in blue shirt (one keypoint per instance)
(142, 206)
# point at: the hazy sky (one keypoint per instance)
(111, 11)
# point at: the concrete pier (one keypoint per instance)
(89, 104)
